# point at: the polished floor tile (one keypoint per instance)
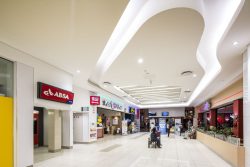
(132, 151)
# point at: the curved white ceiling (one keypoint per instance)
(218, 17)
(167, 43)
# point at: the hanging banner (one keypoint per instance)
(52, 93)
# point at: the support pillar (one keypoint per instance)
(238, 120)
(246, 104)
(67, 129)
(212, 114)
(54, 130)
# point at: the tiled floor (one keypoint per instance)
(132, 151)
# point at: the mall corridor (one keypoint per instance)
(132, 151)
(84, 83)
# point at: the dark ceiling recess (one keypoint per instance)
(186, 73)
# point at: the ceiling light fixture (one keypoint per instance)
(78, 71)
(140, 61)
(194, 75)
(235, 43)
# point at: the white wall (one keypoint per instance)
(78, 127)
(42, 72)
(82, 98)
(67, 129)
(24, 115)
(173, 112)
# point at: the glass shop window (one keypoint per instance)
(6, 78)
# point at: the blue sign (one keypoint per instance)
(165, 113)
(162, 126)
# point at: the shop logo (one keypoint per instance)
(56, 94)
(94, 100)
(111, 104)
(52, 93)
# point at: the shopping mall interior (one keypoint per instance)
(125, 83)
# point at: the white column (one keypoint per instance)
(67, 129)
(24, 115)
(54, 131)
(246, 105)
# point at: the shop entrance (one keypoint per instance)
(108, 122)
(38, 123)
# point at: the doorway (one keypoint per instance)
(38, 123)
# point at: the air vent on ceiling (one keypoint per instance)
(106, 84)
(186, 73)
(187, 91)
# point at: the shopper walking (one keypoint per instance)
(168, 128)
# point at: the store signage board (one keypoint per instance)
(52, 93)
(165, 114)
(132, 110)
(95, 100)
(111, 104)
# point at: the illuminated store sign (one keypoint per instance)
(94, 100)
(52, 93)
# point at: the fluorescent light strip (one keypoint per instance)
(158, 102)
(154, 92)
(144, 91)
(157, 94)
(152, 87)
(156, 97)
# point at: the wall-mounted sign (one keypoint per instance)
(111, 104)
(205, 107)
(48, 92)
(94, 100)
(165, 114)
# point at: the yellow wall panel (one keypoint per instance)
(6, 132)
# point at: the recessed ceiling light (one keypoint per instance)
(184, 97)
(140, 61)
(78, 71)
(235, 43)
(194, 75)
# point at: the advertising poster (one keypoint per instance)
(162, 125)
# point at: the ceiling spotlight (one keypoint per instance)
(140, 61)
(184, 97)
(78, 71)
(235, 43)
(194, 75)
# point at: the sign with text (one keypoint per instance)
(94, 100)
(112, 105)
(52, 93)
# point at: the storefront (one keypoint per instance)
(159, 118)
(50, 123)
(109, 116)
(225, 112)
